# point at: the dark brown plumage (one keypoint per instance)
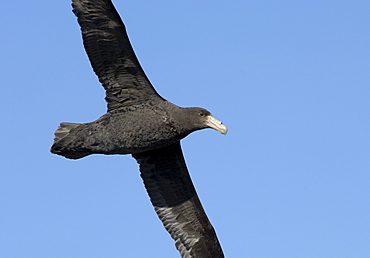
(141, 123)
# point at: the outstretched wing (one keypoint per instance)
(176, 203)
(111, 54)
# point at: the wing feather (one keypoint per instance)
(176, 203)
(111, 54)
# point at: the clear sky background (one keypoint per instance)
(291, 80)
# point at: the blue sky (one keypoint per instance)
(289, 78)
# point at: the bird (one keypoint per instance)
(143, 124)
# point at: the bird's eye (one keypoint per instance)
(201, 114)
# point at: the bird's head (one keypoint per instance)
(200, 118)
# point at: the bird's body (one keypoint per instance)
(141, 123)
(121, 132)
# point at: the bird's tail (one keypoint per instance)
(64, 142)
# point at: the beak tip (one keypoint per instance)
(224, 130)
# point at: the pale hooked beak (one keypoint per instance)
(215, 124)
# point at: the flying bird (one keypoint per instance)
(141, 123)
